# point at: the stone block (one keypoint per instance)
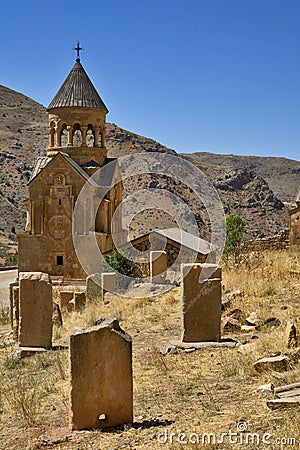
(56, 315)
(11, 288)
(281, 403)
(291, 339)
(35, 310)
(15, 311)
(201, 302)
(24, 352)
(94, 287)
(64, 300)
(108, 283)
(158, 266)
(108, 280)
(101, 389)
(279, 363)
(78, 301)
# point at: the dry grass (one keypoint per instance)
(207, 391)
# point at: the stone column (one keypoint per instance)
(93, 287)
(103, 138)
(35, 310)
(12, 302)
(64, 300)
(101, 388)
(108, 282)
(51, 136)
(28, 215)
(70, 136)
(96, 137)
(58, 136)
(84, 129)
(158, 266)
(78, 301)
(201, 302)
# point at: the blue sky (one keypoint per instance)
(196, 75)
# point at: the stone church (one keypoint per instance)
(77, 117)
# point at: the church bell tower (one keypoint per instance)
(77, 117)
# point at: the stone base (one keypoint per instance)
(23, 352)
(175, 346)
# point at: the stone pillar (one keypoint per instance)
(84, 129)
(78, 301)
(158, 266)
(35, 310)
(99, 283)
(16, 312)
(108, 282)
(101, 388)
(94, 287)
(70, 136)
(96, 137)
(201, 302)
(14, 307)
(51, 136)
(58, 136)
(103, 137)
(64, 300)
(28, 215)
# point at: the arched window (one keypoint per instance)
(77, 135)
(63, 136)
(90, 137)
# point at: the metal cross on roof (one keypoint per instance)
(78, 49)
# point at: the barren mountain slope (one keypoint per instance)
(24, 136)
(281, 174)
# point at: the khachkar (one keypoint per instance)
(77, 117)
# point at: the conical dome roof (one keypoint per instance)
(77, 90)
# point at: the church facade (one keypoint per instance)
(77, 117)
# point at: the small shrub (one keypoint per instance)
(234, 226)
(123, 265)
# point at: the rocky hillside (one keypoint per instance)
(246, 193)
(281, 174)
(243, 182)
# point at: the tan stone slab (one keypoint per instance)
(64, 299)
(158, 266)
(108, 281)
(278, 403)
(11, 300)
(94, 287)
(291, 339)
(24, 352)
(78, 301)
(287, 387)
(15, 311)
(101, 390)
(291, 393)
(278, 363)
(201, 302)
(173, 346)
(35, 310)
